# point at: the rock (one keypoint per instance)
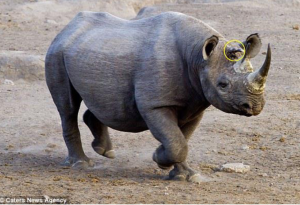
(296, 27)
(50, 145)
(263, 175)
(245, 147)
(8, 82)
(235, 167)
(81, 180)
(263, 148)
(256, 137)
(8, 147)
(15, 65)
(51, 22)
(48, 151)
(95, 180)
(282, 139)
(57, 178)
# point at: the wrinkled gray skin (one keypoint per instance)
(158, 73)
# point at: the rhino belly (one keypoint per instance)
(108, 92)
(118, 116)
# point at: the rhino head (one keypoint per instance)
(233, 86)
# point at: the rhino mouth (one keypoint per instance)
(247, 114)
(242, 112)
(250, 112)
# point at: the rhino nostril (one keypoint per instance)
(246, 106)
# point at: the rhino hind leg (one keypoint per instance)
(101, 143)
(67, 101)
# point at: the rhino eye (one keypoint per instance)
(222, 84)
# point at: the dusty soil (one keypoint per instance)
(32, 147)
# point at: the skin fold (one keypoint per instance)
(158, 73)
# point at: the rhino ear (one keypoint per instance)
(252, 45)
(209, 46)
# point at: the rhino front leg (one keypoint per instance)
(163, 124)
(182, 171)
(101, 143)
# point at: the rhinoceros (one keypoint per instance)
(158, 73)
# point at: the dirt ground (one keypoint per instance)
(32, 147)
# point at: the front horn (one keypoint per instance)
(255, 82)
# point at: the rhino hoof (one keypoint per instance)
(78, 163)
(182, 172)
(110, 154)
(101, 151)
(83, 164)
